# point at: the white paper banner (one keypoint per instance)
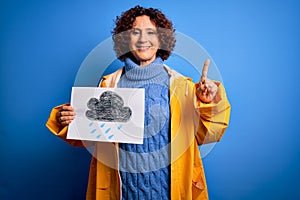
(108, 114)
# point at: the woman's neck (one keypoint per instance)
(143, 63)
(146, 62)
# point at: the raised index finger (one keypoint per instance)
(205, 70)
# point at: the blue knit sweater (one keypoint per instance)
(144, 168)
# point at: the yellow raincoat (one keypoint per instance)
(193, 123)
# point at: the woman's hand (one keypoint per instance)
(65, 115)
(207, 89)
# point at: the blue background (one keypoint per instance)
(255, 45)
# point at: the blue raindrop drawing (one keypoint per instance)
(107, 130)
(98, 136)
(93, 131)
(109, 137)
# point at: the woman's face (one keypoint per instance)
(144, 41)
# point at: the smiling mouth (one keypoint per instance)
(143, 48)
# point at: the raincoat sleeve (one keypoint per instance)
(212, 119)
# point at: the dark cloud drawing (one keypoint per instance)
(109, 108)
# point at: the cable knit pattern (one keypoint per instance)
(144, 168)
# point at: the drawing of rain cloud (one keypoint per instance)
(109, 108)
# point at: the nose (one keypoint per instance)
(143, 37)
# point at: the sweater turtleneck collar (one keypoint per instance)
(136, 72)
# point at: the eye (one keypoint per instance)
(151, 33)
(135, 32)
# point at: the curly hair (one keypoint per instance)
(124, 23)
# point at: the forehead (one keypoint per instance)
(143, 22)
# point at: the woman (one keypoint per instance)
(179, 116)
